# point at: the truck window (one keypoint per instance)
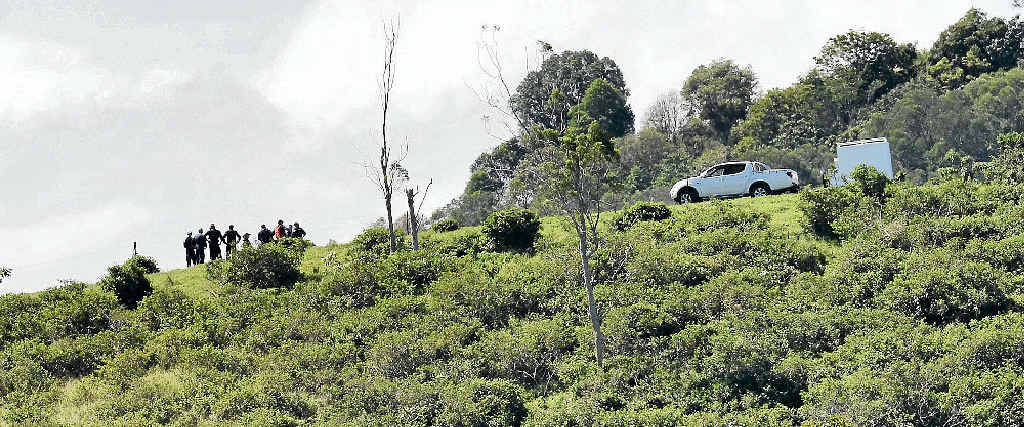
(758, 167)
(735, 168)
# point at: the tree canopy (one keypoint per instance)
(607, 105)
(871, 63)
(723, 92)
(974, 45)
(569, 74)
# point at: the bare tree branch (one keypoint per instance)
(386, 169)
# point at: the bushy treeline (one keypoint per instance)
(940, 106)
(899, 305)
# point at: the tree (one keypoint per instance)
(543, 98)
(1008, 166)
(975, 45)
(669, 116)
(387, 171)
(648, 155)
(573, 178)
(869, 63)
(607, 105)
(722, 91)
(496, 92)
(414, 221)
(494, 170)
(4, 273)
(924, 122)
(783, 118)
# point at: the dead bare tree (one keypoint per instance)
(496, 92)
(387, 171)
(414, 221)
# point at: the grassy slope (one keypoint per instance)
(78, 402)
(782, 209)
(721, 320)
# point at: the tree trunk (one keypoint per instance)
(391, 224)
(725, 145)
(595, 316)
(414, 224)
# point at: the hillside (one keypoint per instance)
(942, 108)
(835, 306)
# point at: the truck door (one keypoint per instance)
(735, 179)
(710, 185)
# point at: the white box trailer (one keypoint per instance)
(872, 152)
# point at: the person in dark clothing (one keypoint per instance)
(200, 245)
(298, 231)
(230, 240)
(246, 244)
(280, 231)
(264, 235)
(190, 250)
(214, 237)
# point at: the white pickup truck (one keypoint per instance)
(735, 179)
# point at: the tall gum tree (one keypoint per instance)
(573, 175)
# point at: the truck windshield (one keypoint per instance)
(713, 171)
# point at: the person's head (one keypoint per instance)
(263, 226)
(246, 235)
(280, 222)
(189, 233)
(213, 227)
(231, 227)
(296, 225)
(200, 230)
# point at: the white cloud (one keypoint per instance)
(49, 243)
(37, 76)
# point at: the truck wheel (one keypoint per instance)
(759, 190)
(686, 196)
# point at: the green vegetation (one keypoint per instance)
(512, 229)
(447, 224)
(641, 211)
(908, 312)
(884, 302)
(266, 266)
(129, 281)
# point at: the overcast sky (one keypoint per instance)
(130, 120)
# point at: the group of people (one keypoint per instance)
(197, 244)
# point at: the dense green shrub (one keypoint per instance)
(824, 206)
(445, 225)
(266, 266)
(376, 241)
(512, 229)
(869, 181)
(527, 352)
(480, 402)
(294, 245)
(129, 282)
(940, 288)
(461, 242)
(641, 211)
